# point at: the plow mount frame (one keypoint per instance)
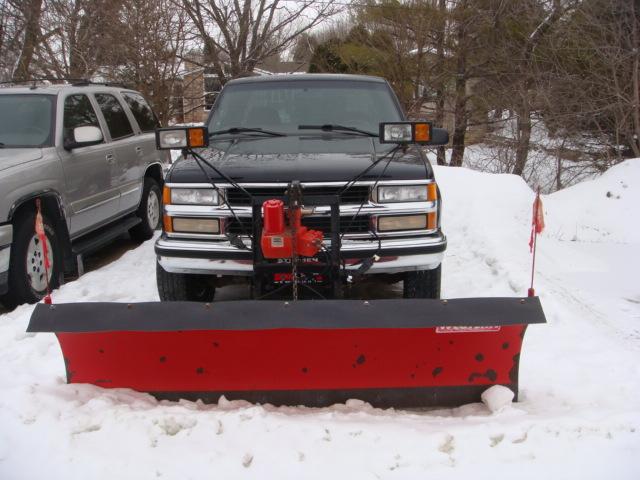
(391, 353)
(264, 269)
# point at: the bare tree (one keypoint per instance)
(594, 76)
(527, 77)
(30, 12)
(78, 37)
(156, 38)
(469, 46)
(238, 35)
(11, 28)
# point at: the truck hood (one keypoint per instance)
(10, 157)
(308, 158)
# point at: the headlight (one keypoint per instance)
(172, 139)
(397, 132)
(194, 196)
(407, 193)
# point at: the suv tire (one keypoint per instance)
(27, 282)
(423, 283)
(149, 211)
(179, 287)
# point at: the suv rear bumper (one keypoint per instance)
(221, 258)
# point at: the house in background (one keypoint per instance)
(200, 86)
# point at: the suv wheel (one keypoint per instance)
(27, 276)
(176, 287)
(423, 283)
(149, 211)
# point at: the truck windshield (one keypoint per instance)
(284, 105)
(26, 120)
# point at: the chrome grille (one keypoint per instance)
(356, 194)
(348, 224)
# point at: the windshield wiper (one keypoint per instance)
(337, 128)
(236, 130)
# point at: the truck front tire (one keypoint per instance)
(423, 283)
(180, 287)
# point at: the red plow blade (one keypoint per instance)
(390, 353)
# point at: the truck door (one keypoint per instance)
(145, 148)
(88, 171)
(126, 178)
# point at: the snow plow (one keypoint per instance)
(391, 353)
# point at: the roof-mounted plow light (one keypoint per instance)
(181, 137)
(422, 133)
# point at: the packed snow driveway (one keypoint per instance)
(578, 415)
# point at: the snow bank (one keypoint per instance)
(578, 414)
(606, 209)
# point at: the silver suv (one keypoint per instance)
(87, 151)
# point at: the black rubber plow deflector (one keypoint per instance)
(399, 353)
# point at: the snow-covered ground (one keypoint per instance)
(579, 409)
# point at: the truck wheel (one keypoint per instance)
(27, 277)
(423, 283)
(177, 287)
(149, 211)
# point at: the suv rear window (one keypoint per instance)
(141, 112)
(26, 121)
(114, 115)
(78, 112)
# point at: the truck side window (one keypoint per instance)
(78, 112)
(141, 112)
(114, 115)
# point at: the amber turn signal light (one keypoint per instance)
(422, 132)
(432, 192)
(196, 137)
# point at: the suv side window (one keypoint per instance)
(141, 112)
(78, 112)
(114, 115)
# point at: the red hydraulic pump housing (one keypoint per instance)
(279, 238)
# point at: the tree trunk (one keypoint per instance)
(460, 113)
(523, 138)
(635, 141)
(442, 10)
(31, 11)
(460, 129)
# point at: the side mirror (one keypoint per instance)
(84, 137)
(405, 133)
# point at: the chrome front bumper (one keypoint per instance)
(221, 258)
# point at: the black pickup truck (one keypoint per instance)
(343, 144)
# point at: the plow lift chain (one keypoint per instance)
(294, 192)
